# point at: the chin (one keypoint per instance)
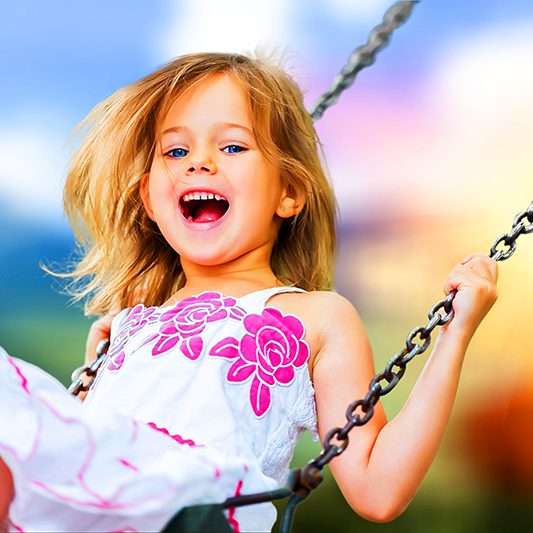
(207, 258)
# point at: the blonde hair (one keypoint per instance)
(124, 257)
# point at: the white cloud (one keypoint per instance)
(32, 172)
(480, 95)
(230, 26)
(488, 77)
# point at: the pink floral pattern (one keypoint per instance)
(270, 352)
(185, 322)
(132, 323)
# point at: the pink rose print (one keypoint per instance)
(133, 322)
(270, 351)
(187, 319)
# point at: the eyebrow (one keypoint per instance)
(215, 126)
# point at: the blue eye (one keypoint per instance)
(174, 150)
(236, 146)
(170, 152)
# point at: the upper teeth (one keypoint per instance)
(202, 196)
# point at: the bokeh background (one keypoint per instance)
(431, 156)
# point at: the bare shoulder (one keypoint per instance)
(319, 311)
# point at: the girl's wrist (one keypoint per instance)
(458, 333)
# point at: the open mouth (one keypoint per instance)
(202, 210)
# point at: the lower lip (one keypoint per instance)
(204, 226)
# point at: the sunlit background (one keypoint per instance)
(431, 156)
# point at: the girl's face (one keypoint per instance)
(199, 150)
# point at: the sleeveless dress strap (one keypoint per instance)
(257, 300)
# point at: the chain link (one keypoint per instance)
(412, 349)
(520, 227)
(364, 56)
(88, 371)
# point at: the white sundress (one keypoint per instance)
(195, 402)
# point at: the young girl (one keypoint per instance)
(208, 222)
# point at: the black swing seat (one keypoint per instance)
(210, 518)
(199, 519)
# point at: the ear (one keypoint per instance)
(291, 202)
(145, 195)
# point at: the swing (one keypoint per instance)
(301, 481)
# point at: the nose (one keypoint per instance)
(208, 166)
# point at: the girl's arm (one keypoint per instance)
(385, 462)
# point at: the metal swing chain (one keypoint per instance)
(365, 55)
(90, 370)
(310, 476)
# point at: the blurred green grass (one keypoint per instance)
(52, 341)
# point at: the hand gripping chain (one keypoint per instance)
(384, 382)
(89, 371)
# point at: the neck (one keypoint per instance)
(251, 271)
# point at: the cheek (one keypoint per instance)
(162, 195)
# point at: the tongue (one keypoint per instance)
(209, 211)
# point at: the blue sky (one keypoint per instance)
(60, 58)
(71, 54)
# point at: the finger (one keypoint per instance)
(99, 330)
(458, 280)
(82, 394)
(466, 259)
(481, 263)
(474, 257)
(460, 275)
(492, 265)
(486, 267)
(87, 381)
(453, 282)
